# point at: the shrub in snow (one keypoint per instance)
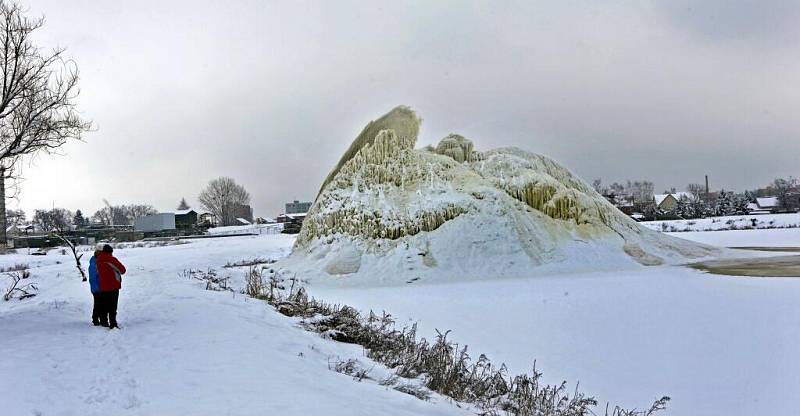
(211, 279)
(15, 268)
(249, 262)
(441, 366)
(15, 289)
(254, 283)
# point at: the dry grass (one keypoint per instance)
(15, 268)
(212, 280)
(440, 366)
(249, 262)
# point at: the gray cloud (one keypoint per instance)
(763, 23)
(271, 93)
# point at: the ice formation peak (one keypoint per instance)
(453, 207)
(459, 148)
(402, 120)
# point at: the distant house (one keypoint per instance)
(167, 222)
(208, 219)
(185, 219)
(754, 209)
(297, 207)
(291, 218)
(243, 211)
(623, 203)
(292, 223)
(668, 202)
(19, 229)
(765, 205)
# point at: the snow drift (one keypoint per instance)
(450, 211)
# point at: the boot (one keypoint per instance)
(112, 321)
(95, 321)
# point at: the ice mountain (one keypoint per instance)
(389, 212)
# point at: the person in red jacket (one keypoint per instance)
(109, 276)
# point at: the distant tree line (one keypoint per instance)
(59, 220)
(122, 214)
(696, 202)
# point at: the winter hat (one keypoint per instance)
(108, 249)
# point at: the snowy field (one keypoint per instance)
(182, 350)
(716, 345)
(255, 229)
(736, 222)
(789, 237)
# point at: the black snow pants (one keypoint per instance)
(108, 308)
(96, 308)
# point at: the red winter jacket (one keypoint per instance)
(109, 271)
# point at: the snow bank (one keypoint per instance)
(735, 222)
(784, 237)
(254, 229)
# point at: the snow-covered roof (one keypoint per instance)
(768, 202)
(243, 221)
(298, 215)
(677, 195)
(183, 211)
(660, 198)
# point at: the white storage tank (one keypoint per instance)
(152, 223)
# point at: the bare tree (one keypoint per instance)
(103, 216)
(597, 185)
(134, 211)
(75, 254)
(617, 188)
(15, 217)
(222, 197)
(122, 214)
(696, 189)
(37, 101)
(642, 192)
(56, 220)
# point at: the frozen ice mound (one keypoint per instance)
(390, 212)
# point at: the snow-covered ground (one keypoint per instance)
(736, 222)
(788, 237)
(255, 229)
(716, 345)
(182, 350)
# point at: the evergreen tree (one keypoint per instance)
(740, 203)
(726, 204)
(78, 219)
(183, 205)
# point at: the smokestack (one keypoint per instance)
(707, 185)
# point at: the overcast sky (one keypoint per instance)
(272, 93)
